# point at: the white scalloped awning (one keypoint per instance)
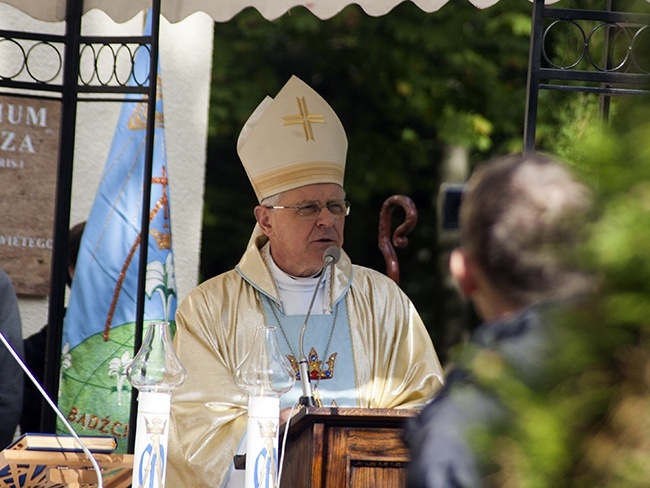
(223, 10)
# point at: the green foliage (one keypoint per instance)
(585, 425)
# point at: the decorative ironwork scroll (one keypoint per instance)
(106, 64)
(610, 56)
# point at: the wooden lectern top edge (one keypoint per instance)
(351, 412)
(349, 415)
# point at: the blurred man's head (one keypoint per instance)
(520, 219)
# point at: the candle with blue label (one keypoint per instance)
(265, 374)
(155, 372)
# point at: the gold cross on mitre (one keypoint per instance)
(304, 118)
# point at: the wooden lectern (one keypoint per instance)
(351, 447)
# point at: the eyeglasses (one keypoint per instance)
(338, 208)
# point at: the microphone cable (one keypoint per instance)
(284, 440)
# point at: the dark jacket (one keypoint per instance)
(445, 438)
(11, 375)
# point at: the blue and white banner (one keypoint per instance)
(99, 326)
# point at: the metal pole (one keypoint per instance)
(607, 64)
(56, 307)
(532, 84)
(146, 204)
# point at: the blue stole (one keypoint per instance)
(341, 387)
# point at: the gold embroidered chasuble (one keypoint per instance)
(396, 364)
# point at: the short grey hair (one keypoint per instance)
(270, 201)
(521, 219)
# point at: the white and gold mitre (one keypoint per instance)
(293, 140)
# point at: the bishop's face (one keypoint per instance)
(298, 242)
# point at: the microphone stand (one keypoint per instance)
(307, 398)
(330, 257)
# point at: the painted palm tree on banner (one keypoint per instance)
(99, 327)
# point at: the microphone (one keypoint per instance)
(93, 461)
(331, 256)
